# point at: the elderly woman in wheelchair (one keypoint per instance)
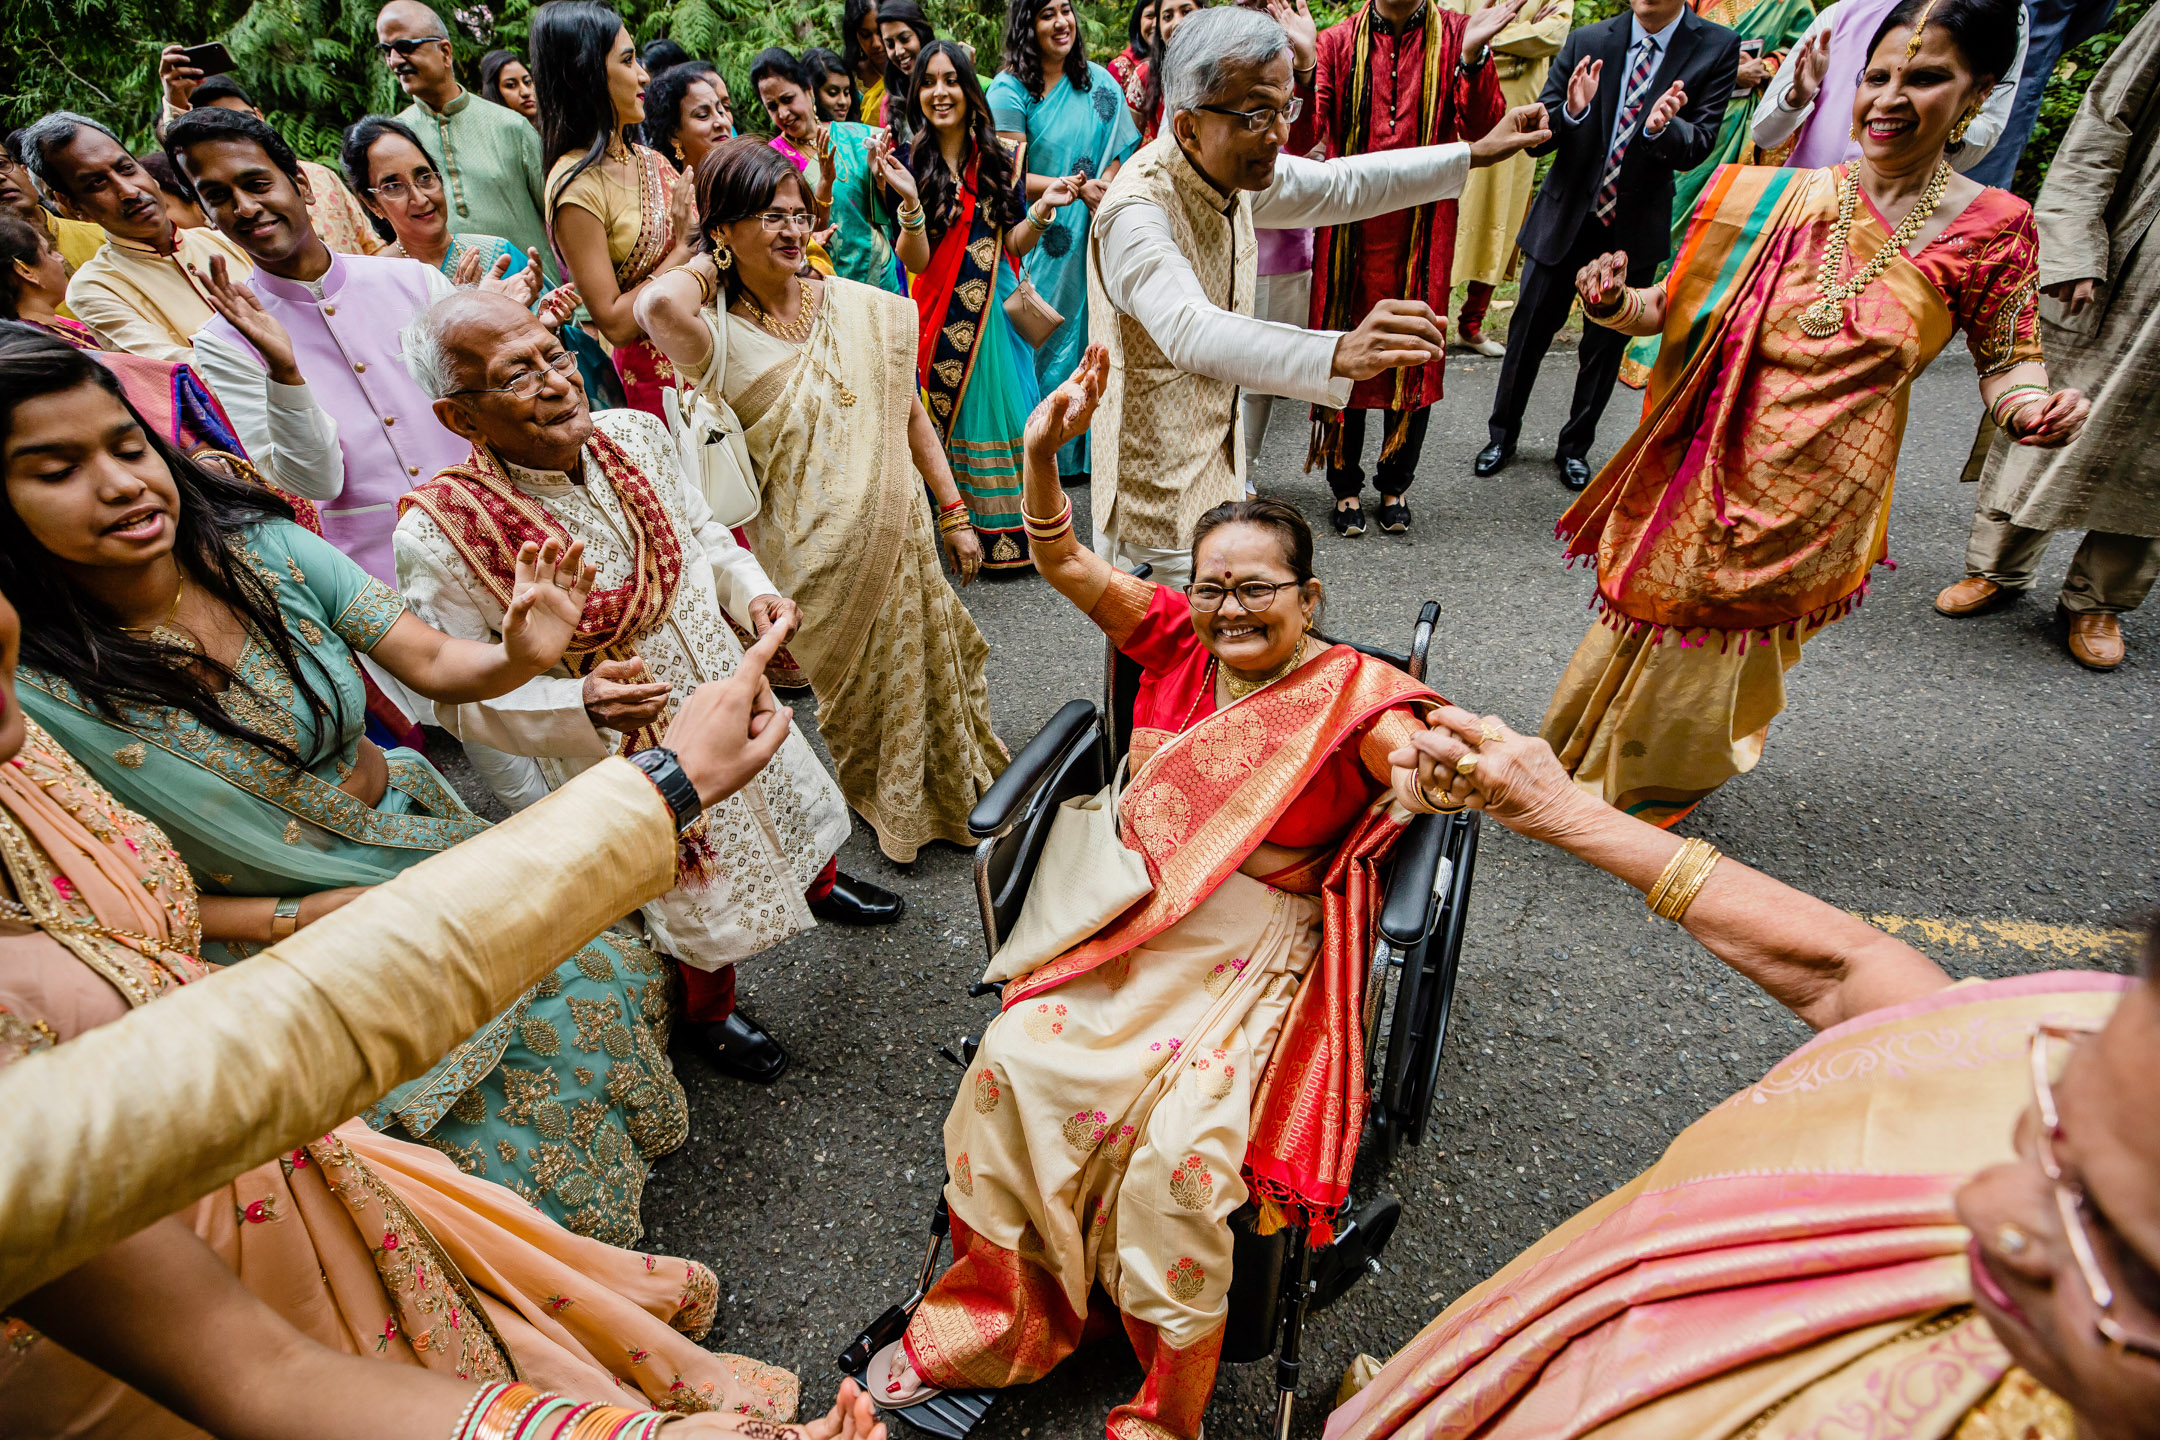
(1206, 1043)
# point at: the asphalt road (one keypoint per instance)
(1924, 769)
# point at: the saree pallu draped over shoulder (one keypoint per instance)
(1792, 1266)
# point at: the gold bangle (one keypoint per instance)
(1417, 783)
(1682, 879)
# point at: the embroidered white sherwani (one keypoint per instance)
(773, 837)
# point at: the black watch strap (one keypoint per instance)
(668, 777)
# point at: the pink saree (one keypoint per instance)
(1792, 1257)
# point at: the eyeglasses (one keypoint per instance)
(1253, 596)
(777, 220)
(1265, 116)
(2071, 1199)
(395, 189)
(526, 385)
(406, 47)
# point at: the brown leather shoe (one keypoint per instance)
(1971, 596)
(2095, 641)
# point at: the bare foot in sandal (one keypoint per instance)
(892, 1377)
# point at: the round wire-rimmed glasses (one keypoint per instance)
(2071, 1201)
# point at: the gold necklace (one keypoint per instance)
(1239, 689)
(1826, 316)
(794, 331)
(152, 629)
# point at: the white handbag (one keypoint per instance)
(708, 437)
(1085, 879)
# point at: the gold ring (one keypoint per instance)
(1488, 732)
(1468, 764)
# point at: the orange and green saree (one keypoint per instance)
(1750, 504)
(1792, 1266)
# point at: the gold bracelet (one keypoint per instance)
(1417, 783)
(1682, 879)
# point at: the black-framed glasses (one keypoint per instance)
(406, 47)
(1265, 116)
(395, 189)
(1253, 596)
(2074, 1205)
(526, 384)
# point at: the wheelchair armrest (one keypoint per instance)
(1008, 796)
(1407, 915)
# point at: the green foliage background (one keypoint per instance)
(311, 66)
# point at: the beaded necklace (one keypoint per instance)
(1826, 316)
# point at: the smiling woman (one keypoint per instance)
(398, 183)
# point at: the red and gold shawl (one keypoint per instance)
(1196, 810)
(486, 518)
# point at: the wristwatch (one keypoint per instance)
(285, 917)
(668, 777)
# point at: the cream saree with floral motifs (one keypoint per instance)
(845, 532)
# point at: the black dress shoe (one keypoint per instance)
(738, 1048)
(1394, 517)
(1574, 472)
(858, 902)
(1493, 458)
(1348, 523)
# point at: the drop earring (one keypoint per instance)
(723, 257)
(1957, 131)
(1856, 129)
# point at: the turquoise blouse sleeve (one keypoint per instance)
(1010, 104)
(359, 607)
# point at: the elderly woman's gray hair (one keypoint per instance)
(1210, 44)
(55, 132)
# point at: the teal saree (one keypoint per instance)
(860, 249)
(1068, 132)
(564, 1096)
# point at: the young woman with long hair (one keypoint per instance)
(862, 50)
(821, 372)
(831, 83)
(1143, 91)
(834, 158)
(614, 212)
(965, 222)
(1070, 116)
(505, 80)
(906, 30)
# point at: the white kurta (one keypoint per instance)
(770, 839)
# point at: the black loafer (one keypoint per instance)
(1348, 523)
(1394, 517)
(1574, 472)
(853, 901)
(1493, 458)
(739, 1049)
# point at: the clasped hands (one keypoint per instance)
(1515, 778)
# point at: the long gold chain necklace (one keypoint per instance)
(1239, 689)
(1826, 316)
(794, 331)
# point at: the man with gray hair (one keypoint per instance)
(142, 291)
(1171, 279)
(761, 864)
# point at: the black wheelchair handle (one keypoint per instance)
(1407, 916)
(1009, 794)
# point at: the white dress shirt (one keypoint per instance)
(1145, 276)
(1773, 124)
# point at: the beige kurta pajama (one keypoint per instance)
(775, 835)
(2095, 215)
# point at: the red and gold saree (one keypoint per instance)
(1203, 1048)
(1747, 509)
(1792, 1266)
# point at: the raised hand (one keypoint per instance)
(724, 734)
(561, 303)
(888, 170)
(1295, 17)
(1518, 130)
(1486, 24)
(620, 695)
(547, 595)
(1582, 85)
(1393, 335)
(468, 270)
(1808, 66)
(523, 287)
(178, 78)
(1602, 282)
(236, 301)
(1066, 412)
(682, 213)
(2054, 422)
(1666, 106)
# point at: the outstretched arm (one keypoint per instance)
(1073, 570)
(1821, 963)
(547, 597)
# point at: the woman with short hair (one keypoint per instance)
(687, 113)
(398, 183)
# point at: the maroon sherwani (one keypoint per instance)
(1379, 266)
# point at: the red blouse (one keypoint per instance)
(1153, 624)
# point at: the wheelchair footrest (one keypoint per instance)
(948, 1415)
(1356, 1251)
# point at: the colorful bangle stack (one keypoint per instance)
(1042, 532)
(2014, 402)
(510, 1410)
(911, 216)
(1684, 875)
(1625, 311)
(1035, 218)
(953, 518)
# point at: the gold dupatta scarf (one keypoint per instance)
(1198, 808)
(1755, 493)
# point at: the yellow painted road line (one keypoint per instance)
(2070, 942)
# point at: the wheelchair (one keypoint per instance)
(1276, 1280)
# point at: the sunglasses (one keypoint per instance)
(405, 48)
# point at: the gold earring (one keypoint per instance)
(1856, 129)
(1957, 131)
(678, 151)
(723, 257)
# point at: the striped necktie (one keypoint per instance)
(1631, 104)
